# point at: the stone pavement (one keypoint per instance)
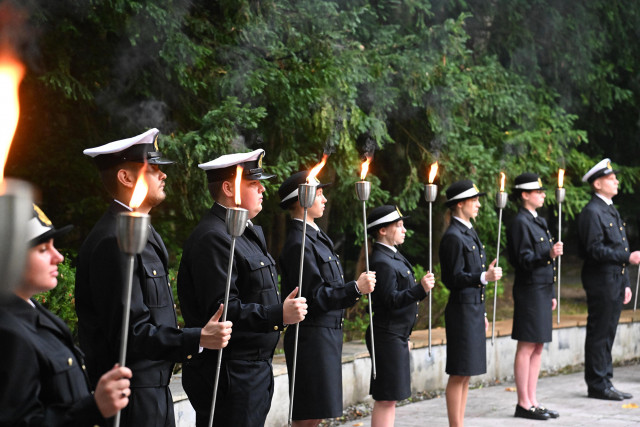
(494, 406)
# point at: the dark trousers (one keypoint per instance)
(148, 407)
(604, 302)
(244, 396)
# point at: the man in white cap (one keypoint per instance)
(246, 379)
(155, 342)
(605, 249)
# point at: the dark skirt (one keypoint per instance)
(466, 339)
(318, 388)
(532, 316)
(393, 366)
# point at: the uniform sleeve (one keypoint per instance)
(593, 241)
(386, 291)
(455, 273)
(20, 387)
(521, 248)
(210, 260)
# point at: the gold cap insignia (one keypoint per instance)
(398, 210)
(155, 143)
(539, 182)
(608, 165)
(260, 160)
(476, 188)
(41, 216)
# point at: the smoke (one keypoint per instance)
(369, 147)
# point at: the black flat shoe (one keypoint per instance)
(622, 393)
(606, 394)
(551, 412)
(532, 413)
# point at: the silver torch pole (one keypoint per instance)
(132, 230)
(16, 207)
(560, 193)
(501, 202)
(430, 193)
(306, 196)
(635, 303)
(236, 221)
(363, 190)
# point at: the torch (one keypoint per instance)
(132, 231)
(15, 196)
(363, 189)
(306, 196)
(501, 202)
(635, 303)
(560, 193)
(236, 221)
(430, 193)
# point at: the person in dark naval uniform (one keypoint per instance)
(155, 342)
(318, 388)
(463, 263)
(605, 278)
(246, 377)
(532, 252)
(395, 309)
(44, 382)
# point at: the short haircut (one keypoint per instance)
(215, 188)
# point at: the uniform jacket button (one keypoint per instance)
(70, 361)
(154, 272)
(329, 258)
(473, 247)
(261, 263)
(189, 356)
(548, 262)
(542, 239)
(275, 328)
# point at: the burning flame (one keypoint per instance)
(432, 172)
(11, 73)
(560, 178)
(140, 190)
(503, 177)
(365, 168)
(316, 169)
(239, 170)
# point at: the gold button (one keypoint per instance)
(275, 328)
(620, 228)
(548, 262)
(271, 274)
(416, 316)
(624, 224)
(554, 269)
(84, 368)
(70, 361)
(357, 299)
(168, 284)
(342, 275)
(551, 240)
(174, 306)
(189, 356)
(482, 246)
(542, 239)
(329, 258)
(482, 297)
(623, 271)
(623, 239)
(408, 272)
(610, 224)
(481, 256)
(626, 249)
(261, 263)
(482, 265)
(624, 264)
(154, 272)
(473, 247)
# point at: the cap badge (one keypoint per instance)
(398, 210)
(539, 182)
(608, 165)
(155, 143)
(41, 216)
(260, 159)
(475, 188)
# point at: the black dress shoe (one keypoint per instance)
(551, 412)
(532, 413)
(606, 394)
(622, 393)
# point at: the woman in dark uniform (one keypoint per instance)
(395, 306)
(532, 253)
(463, 263)
(318, 387)
(44, 382)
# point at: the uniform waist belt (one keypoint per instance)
(323, 322)
(245, 354)
(467, 296)
(152, 378)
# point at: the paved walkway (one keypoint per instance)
(494, 406)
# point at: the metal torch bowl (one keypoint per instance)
(236, 221)
(307, 195)
(363, 190)
(132, 230)
(501, 199)
(430, 192)
(560, 193)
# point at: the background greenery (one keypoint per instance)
(480, 86)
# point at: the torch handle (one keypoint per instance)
(430, 267)
(635, 304)
(224, 319)
(366, 262)
(495, 285)
(292, 386)
(124, 333)
(559, 257)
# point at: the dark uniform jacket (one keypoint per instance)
(603, 243)
(529, 244)
(42, 377)
(323, 279)
(155, 343)
(395, 299)
(463, 261)
(254, 303)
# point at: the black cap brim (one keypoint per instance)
(51, 234)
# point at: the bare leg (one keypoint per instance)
(456, 395)
(521, 370)
(305, 423)
(534, 371)
(384, 413)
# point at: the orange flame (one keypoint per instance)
(432, 172)
(560, 178)
(503, 177)
(140, 190)
(317, 168)
(365, 168)
(11, 73)
(239, 170)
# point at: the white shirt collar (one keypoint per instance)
(312, 224)
(607, 201)
(533, 212)
(120, 203)
(393, 248)
(467, 223)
